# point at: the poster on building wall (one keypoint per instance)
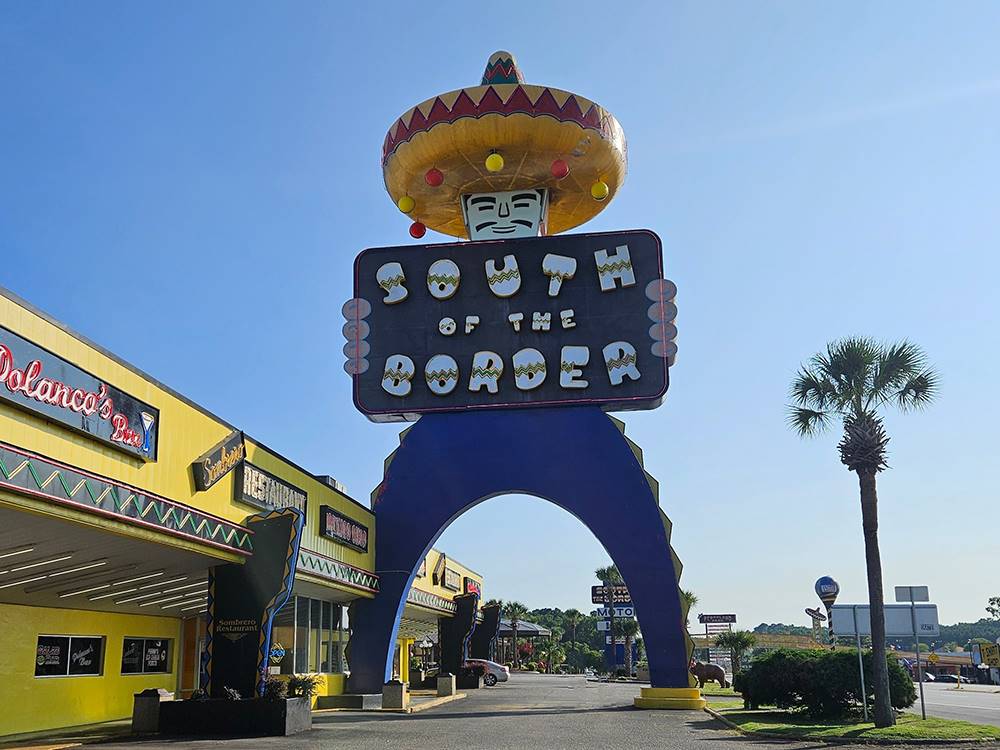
(132, 650)
(52, 655)
(38, 381)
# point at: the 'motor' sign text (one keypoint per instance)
(540, 321)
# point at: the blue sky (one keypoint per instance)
(189, 183)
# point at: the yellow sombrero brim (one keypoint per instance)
(530, 126)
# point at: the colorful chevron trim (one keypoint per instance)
(334, 570)
(431, 601)
(503, 276)
(397, 374)
(388, 284)
(628, 359)
(616, 267)
(533, 369)
(441, 375)
(435, 278)
(30, 474)
(486, 372)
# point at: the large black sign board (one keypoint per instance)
(574, 323)
(703, 619)
(35, 379)
(598, 595)
(264, 490)
(219, 461)
(338, 527)
(245, 598)
(86, 655)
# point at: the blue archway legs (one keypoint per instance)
(575, 458)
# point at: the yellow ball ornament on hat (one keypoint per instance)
(406, 204)
(599, 190)
(494, 163)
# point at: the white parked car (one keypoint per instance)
(491, 671)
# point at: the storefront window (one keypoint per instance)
(318, 639)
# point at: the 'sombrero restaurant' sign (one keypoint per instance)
(35, 379)
(340, 528)
(262, 489)
(219, 461)
(537, 321)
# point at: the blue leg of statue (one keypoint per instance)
(575, 458)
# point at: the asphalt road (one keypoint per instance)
(528, 713)
(979, 704)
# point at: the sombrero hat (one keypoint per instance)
(503, 135)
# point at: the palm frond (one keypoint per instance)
(807, 421)
(918, 391)
(812, 389)
(897, 363)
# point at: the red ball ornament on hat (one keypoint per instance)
(434, 177)
(559, 169)
(417, 230)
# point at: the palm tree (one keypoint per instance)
(610, 576)
(515, 612)
(738, 642)
(850, 382)
(555, 635)
(688, 601)
(629, 630)
(572, 617)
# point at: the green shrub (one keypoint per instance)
(275, 689)
(303, 685)
(823, 683)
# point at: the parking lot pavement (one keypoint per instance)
(530, 712)
(979, 704)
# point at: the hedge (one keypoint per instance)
(823, 683)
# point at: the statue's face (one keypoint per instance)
(515, 213)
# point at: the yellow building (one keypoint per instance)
(439, 579)
(116, 497)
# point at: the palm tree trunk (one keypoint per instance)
(628, 657)
(884, 716)
(517, 656)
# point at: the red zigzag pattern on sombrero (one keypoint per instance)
(491, 103)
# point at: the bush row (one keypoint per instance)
(823, 683)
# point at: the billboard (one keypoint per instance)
(898, 622)
(536, 321)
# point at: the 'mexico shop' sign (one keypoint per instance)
(45, 384)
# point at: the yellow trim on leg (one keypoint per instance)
(670, 698)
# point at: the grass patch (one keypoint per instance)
(714, 689)
(794, 725)
(722, 705)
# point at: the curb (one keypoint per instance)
(846, 740)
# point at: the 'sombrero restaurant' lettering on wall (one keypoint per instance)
(110, 526)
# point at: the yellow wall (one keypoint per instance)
(185, 434)
(426, 583)
(33, 704)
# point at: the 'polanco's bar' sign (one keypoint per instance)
(38, 381)
(219, 461)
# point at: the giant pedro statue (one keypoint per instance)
(508, 347)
